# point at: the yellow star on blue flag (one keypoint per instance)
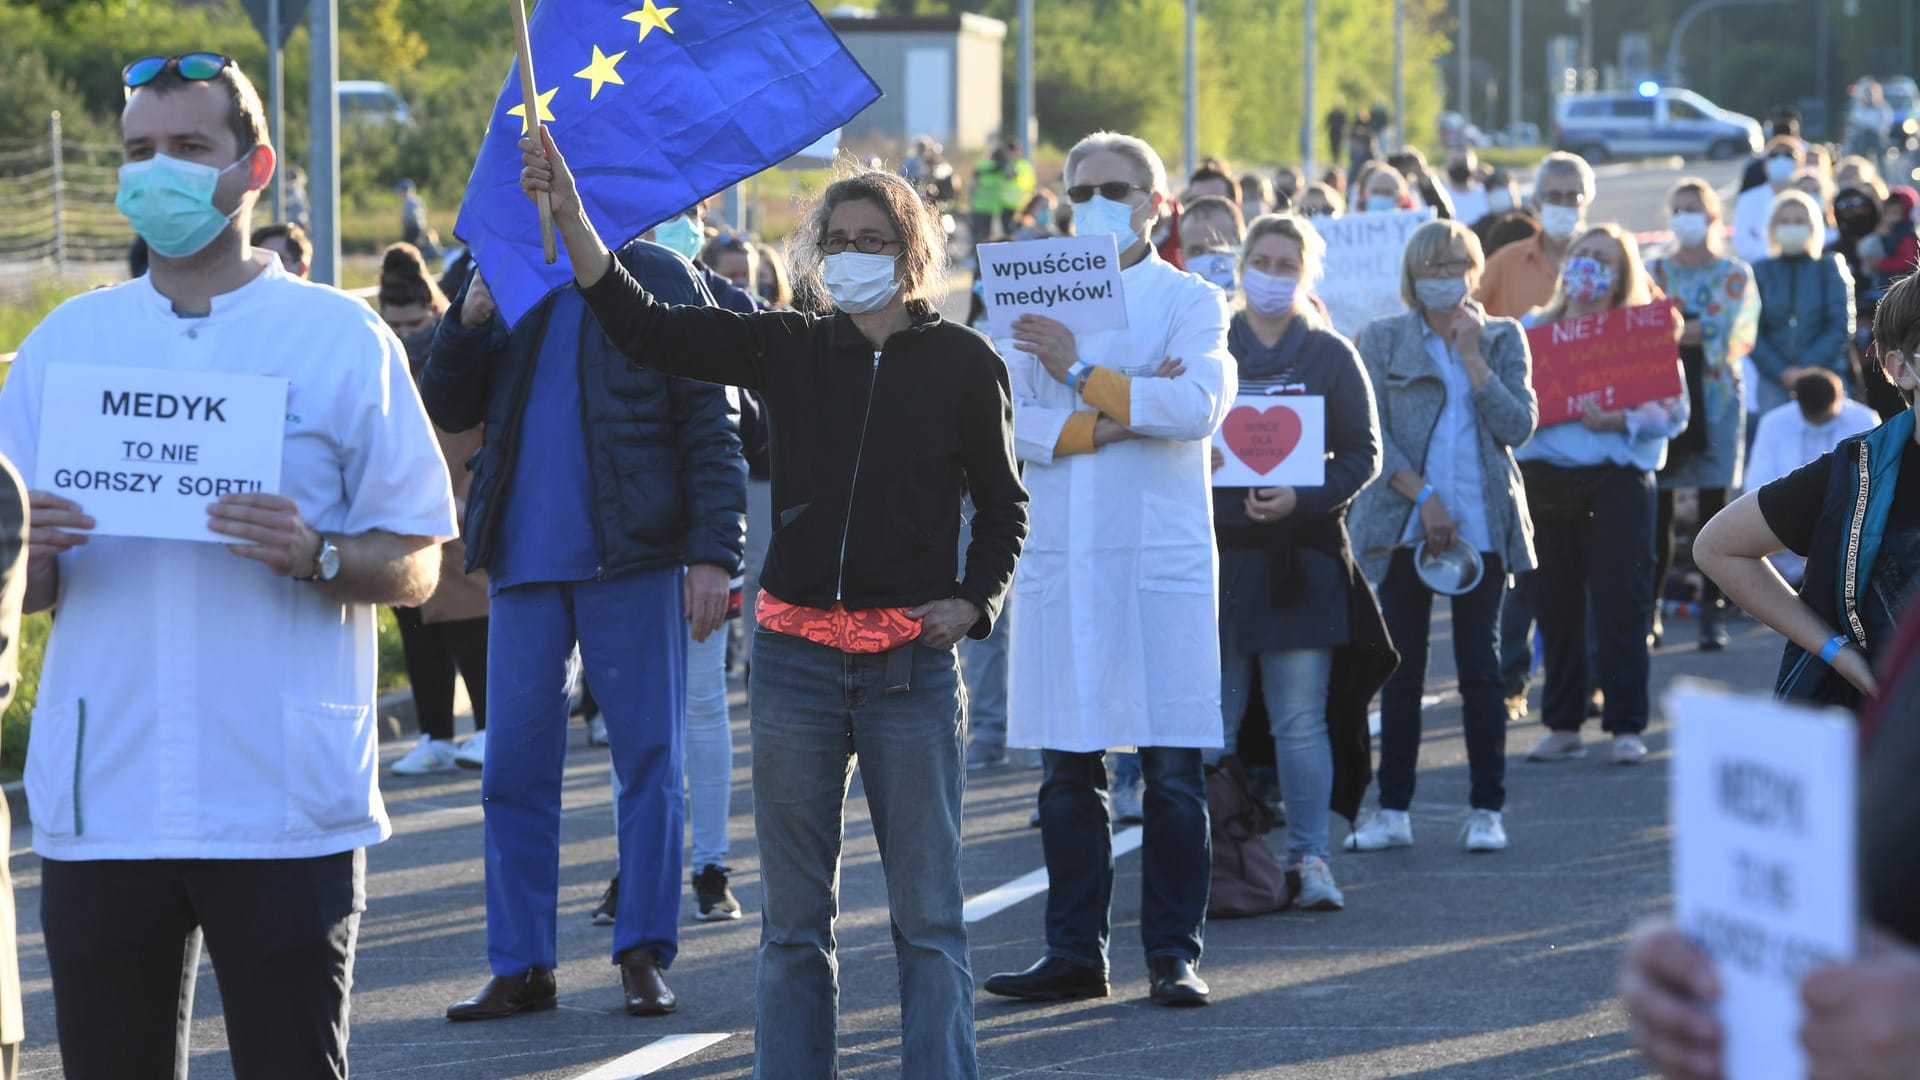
(729, 90)
(650, 17)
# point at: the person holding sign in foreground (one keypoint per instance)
(1292, 600)
(204, 747)
(1590, 491)
(1119, 637)
(881, 415)
(1455, 398)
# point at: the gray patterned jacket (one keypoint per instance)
(1411, 395)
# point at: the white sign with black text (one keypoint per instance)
(1273, 440)
(1360, 281)
(1763, 859)
(144, 451)
(1074, 280)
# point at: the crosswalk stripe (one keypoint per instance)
(655, 1055)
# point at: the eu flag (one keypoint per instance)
(655, 109)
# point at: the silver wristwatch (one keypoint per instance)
(326, 561)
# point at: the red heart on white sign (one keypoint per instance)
(1262, 438)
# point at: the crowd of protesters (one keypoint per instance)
(694, 459)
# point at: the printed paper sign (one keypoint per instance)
(1072, 279)
(1362, 278)
(1273, 440)
(1613, 360)
(1763, 858)
(144, 451)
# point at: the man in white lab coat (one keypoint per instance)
(1118, 642)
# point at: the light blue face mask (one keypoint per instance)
(1101, 216)
(169, 202)
(1382, 204)
(1215, 266)
(681, 235)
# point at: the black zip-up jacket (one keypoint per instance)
(871, 453)
(668, 481)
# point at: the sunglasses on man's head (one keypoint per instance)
(193, 67)
(1112, 191)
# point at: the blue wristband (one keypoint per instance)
(1832, 648)
(1425, 494)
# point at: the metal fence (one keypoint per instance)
(57, 218)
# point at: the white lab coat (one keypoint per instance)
(1751, 212)
(1118, 640)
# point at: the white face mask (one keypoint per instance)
(860, 283)
(1559, 222)
(1499, 201)
(1270, 294)
(1101, 216)
(1793, 239)
(1690, 229)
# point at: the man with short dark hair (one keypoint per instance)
(1207, 180)
(289, 242)
(204, 747)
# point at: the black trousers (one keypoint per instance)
(435, 652)
(123, 941)
(1593, 529)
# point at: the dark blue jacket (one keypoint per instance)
(668, 480)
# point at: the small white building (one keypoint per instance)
(941, 75)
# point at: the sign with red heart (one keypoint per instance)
(1270, 441)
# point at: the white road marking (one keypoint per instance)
(1427, 701)
(655, 1055)
(996, 900)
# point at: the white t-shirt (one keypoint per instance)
(192, 704)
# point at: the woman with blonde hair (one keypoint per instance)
(1293, 603)
(1590, 489)
(1456, 397)
(1721, 310)
(1806, 302)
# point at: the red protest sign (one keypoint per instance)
(1613, 359)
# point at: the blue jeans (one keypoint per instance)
(814, 710)
(1407, 606)
(1177, 856)
(709, 748)
(983, 664)
(633, 644)
(1294, 683)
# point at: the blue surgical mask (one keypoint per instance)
(1101, 216)
(1215, 266)
(1440, 294)
(1382, 204)
(1780, 168)
(169, 202)
(681, 235)
(1043, 219)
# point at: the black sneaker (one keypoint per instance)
(603, 915)
(716, 900)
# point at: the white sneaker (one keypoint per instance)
(473, 752)
(1629, 750)
(429, 755)
(1317, 890)
(1484, 832)
(1381, 830)
(1558, 746)
(597, 730)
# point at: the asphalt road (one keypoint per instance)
(1443, 965)
(1634, 194)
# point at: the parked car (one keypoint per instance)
(371, 103)
(1651, 122)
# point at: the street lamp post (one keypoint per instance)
(1399, 76)
(1513, 72)
(1307, 141)
(1465, 60)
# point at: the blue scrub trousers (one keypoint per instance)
(633, 645)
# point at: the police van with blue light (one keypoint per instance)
(1652, 121)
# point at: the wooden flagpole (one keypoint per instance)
(530, 98)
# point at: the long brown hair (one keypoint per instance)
(921, 268)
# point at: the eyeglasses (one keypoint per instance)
(1451, 268)
(865, 245)
(1112, 191)
(193, 67)
(1563, 198)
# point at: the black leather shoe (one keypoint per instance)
(530, 991)
(1052, 979)
(1175, 982)
(645, 984)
